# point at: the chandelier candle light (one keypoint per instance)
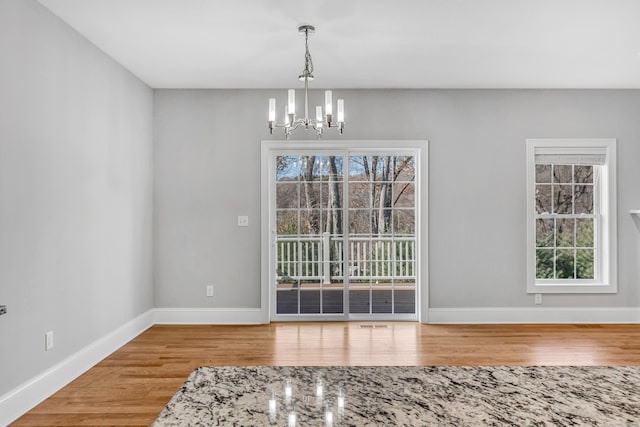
(321, 121)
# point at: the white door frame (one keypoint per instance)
(268, 150)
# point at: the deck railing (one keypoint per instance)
(320, 257)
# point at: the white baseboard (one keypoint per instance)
(24, 397)
(208, 316)
(488, 315)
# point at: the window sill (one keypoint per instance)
(578, 288)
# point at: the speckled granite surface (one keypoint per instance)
(409, 396)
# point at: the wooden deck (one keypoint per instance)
(382, 299)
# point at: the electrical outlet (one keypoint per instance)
(243, 221)
(209, 290)
(538, 299)
(48, 341)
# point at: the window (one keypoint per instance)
(571, 216)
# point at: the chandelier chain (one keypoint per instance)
(308, 62)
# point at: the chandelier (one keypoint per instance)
(322, 121)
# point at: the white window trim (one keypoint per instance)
(607, 281)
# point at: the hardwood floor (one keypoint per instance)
(132, 385)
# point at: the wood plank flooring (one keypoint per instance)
(132, 385)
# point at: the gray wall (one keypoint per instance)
(207, 171)
(75, 192)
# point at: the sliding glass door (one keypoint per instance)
(343, 234)
(382, 235)
(309, 237)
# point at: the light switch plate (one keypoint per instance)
(48, 341)
(243, 221)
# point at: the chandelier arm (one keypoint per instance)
(293, 125)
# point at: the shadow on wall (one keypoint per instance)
(636, 219)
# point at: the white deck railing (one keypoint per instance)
(320, 257)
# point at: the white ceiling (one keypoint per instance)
(367, 43)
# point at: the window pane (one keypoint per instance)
(381, 301)
(359, 221)
(309, 195)
(371, 196)
(286, 195)
(360, 194)
(309, 254)
(543, 173)
(332, 301)
(309, 301)
(331, 195)
(543, 199)
(544, 233)
(544, 264)
(377, 167)
(335, 268)
(287, 266)
(311, 222)
(562, 174)
(404, 222)
(287, 302)
(404, 255)
(584, 199)
(321, 168)
(564, 233)
(404, 300)
(584, 264)
(382, 221)
(583, 173)
(359, 301)
(564, 264)
(386, 168)
(358, 166)
(286, 167)
(562, 199)
(405, 266)
(404, 195)
(380, 261)
(359, 260)
(335, 165)
(286, 222)
(310, 169)
(405, 169)
(584, 232)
